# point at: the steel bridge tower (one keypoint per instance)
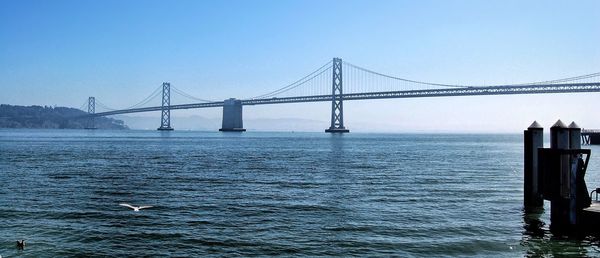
(337, 100)
(91, 123)
(165, 118)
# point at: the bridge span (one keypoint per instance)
(329, 84)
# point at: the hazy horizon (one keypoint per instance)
(291, 124)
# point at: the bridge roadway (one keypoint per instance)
(446, 92)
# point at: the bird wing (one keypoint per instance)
(144, 207)
(127, 205)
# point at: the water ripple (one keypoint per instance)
(267, 194)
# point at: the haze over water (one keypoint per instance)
(307, 194)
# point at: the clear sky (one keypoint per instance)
(60, 52)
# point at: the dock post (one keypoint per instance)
(574, 136)
(559, 206)
(578, 188)
(533, 139)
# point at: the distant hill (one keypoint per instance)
(51, 118)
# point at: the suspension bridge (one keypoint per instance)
(336, 81)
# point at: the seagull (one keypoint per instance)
(134, 207)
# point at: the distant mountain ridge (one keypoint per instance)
(51, 118)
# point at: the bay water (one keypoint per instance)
(267, 194)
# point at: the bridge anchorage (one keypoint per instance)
(232, 116)
(91, 122)
(165, 117)
(337, 100)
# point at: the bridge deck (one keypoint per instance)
(443, 92)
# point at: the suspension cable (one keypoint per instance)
(147, 99)
(402, 79)
(298, 82)
(296, 86)
(568, 79)
(580, 77)
(150, 97)
(100, 104)
(184, 94)
(84, 105)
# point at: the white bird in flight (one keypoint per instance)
(134, 207)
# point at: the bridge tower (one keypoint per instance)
(91, 123)
(165, 117)
(337, 100)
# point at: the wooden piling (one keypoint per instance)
(576, 182)
(533, 139)
(559, 136)
(559, 206)
(574, 136)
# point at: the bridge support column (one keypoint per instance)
(91, 123)
(232, 116)
(165, 117)
(337, 101)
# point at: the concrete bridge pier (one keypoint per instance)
(232, 116)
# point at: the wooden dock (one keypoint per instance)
(557, 174)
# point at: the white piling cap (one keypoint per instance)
(559, 124)
(535, 125)
(573, 125)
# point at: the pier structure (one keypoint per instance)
(590, 136)
(559, 177)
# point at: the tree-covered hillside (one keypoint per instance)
(51, 117)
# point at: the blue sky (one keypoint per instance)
(61, 52)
